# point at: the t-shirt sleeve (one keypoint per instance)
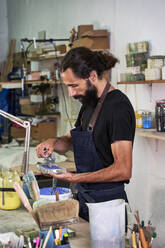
(122, 123)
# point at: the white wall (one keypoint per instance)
(3, 30)
(128, 21)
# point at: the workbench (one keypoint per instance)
(20, 219)
(68, 165)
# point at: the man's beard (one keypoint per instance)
(90, 97)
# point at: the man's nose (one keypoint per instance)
(71, 92)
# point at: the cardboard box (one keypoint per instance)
(30, 109)
(61, 48)
(18, 132)
(100, 38)
(95, 39)
(44, 130)
(24, 100)
(83, 28)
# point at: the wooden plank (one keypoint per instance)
(142, 82)
(47, 57)
(150, 133)
(7, 66)
(3, 71)
(3, 83)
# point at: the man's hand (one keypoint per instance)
(45, 148)
(69, 177)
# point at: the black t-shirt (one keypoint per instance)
(116, 121)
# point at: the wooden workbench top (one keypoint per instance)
(68, 165)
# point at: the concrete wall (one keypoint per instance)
(128, 21)
(3, 30)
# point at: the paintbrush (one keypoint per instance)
(134, 241)
(47, 237)
(25, 201)
(144, 243)
(32, 185)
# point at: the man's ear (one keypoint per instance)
(93, 76)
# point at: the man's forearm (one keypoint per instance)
(109, 174)
(63, 144)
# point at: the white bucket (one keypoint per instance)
(107, 224)
(64, 194)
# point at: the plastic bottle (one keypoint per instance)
(147, 119)
(138, 115)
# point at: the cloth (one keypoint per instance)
(87, 160)
(87, 156)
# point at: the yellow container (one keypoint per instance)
(138, 116)
(9, 199)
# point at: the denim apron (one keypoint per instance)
(87, 160)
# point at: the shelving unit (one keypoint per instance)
(150, 133)
(142, 82)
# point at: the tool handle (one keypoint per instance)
(25, 201)
(47, 237)
(57, 195)
(134, 242)
(144, 243)
(35, 191)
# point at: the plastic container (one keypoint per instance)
(51, 243)
(50, 194)
(107, 224)
(147, 119)
(138, 116)
(44, 168)
(9, 199)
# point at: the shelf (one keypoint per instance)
(47, 57)
(150, 133)
(57, 114)
(142, 82)
(18, 84)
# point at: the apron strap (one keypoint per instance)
(98, 107)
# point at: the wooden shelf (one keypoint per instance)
(17, 84)
(150, 133)
(48, 115)
(142, 82)
(47, 57)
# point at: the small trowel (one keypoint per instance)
(50, 160)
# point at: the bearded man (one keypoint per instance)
(102, 139)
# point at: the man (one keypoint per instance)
(103, 138)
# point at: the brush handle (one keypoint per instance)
(47, 237)
(57, 196)
(144, 243)
(134, 241)
(25, 201)
(35, 191)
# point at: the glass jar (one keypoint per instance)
(147, 120)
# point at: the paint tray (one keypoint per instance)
(46, 169)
